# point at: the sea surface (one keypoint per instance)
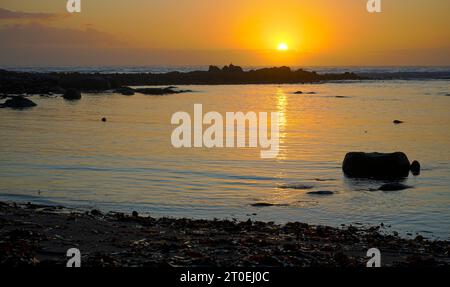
(61, 152)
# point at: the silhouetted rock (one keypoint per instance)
(18, 102)
(397, 122)
(321, 192)
(104, 120)
(135, 214)
(394, 187)
(262, 204)
(298, 93)
(232, 69)
(160, 91)
(415, 168)
(72, 94)
(126, 91)
(214, 69)
(295, 186)
(86, 83)
(376, 165)
(56, 83)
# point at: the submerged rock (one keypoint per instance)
(72, 94)
(321, 192)
(295, 186)
(126, 91)
(18, 102)
(304, 93)
(262, 204)
(160, 91)
(394, 187)
(376, 165)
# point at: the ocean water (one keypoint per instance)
(61, 153)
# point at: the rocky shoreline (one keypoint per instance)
(37, 235)
(58, 83)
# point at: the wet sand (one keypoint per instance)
(36, 235)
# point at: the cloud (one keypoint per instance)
(35, 35)
(6, 14)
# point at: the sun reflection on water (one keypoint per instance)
(281, 106)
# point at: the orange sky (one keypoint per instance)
(246, 32)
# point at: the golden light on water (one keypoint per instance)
(281, 105)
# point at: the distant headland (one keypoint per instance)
(55, 83)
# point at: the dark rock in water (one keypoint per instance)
(304, 93)
(135, 214)
(126, 91)
(415, 168)
(376, 165)
(342, 97)
(72, 94)
(321, 192)
(262, 204)
(397, 122)
(18, 102)
(160, 91)
(104, 120)
(295, 186)
(394, 187)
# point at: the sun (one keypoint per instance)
(282, 47)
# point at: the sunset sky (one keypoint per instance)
(245, 32)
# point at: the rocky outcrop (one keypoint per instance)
(18, 102)
(72, 95)
(160, 91)
(376, 165)
(126, 91)
(56, 83)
